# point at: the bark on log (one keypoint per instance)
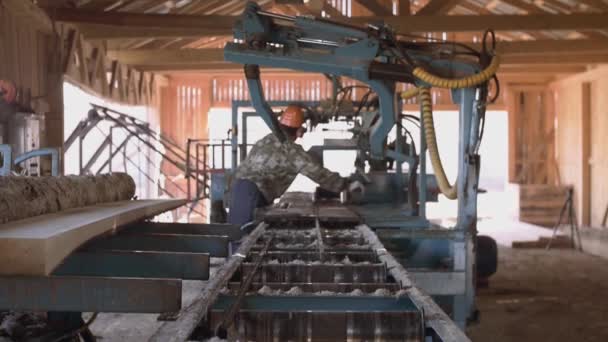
(23, 197)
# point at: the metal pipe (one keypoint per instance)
(7, 156)
(196, 172)
(223, 155)
(276, 16)
(188, 166)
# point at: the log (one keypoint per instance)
(24, 197)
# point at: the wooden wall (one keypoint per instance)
(582, 140)
(531, 134)
(29, 58)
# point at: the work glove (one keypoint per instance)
(356, 188)
(353, 193)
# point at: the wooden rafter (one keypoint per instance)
(462, 23)
(109, 32)
(435, 7)
(174, 56)
(122, 19)
(30, 13)
(451, 23)
(404, 7)
(375, 7)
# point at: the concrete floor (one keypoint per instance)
(538, 295)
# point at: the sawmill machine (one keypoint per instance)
(441, 260)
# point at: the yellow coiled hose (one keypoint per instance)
(465, 82)
(426, 105)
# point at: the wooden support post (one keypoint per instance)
(585, 196)
(404, 7)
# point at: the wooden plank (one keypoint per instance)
(35, 246)
(541, 204)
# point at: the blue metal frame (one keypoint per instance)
(312, 45)
(8, 161)
(90, 294)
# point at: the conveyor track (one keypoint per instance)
(317, 283)
(320, 279)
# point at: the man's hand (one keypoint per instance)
(356, 188)
(353, 193)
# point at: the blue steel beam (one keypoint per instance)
(88, 294)
(141, 264)
(318, 303)
(216, 246)
(233, 232)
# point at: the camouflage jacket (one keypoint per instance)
(273, 166)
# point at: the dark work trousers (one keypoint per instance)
(245, 197)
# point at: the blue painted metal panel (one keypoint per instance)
(317, 303)
(233, 232)
(218, 185)
(88, 294)
(216, 246)
(142, 264)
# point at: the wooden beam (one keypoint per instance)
(542, 69)
(68, 55)
(542, 58)
(30, 13)
(578, 46)
(102, 32)
(452, 23)
(462, 23)
(124, 19)
(519, 52)
(375, 7)
(505, 69)
(175, 56)
(435, 7)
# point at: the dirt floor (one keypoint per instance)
(539, 295)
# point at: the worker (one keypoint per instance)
(271, 166)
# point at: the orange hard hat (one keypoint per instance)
(293, 116)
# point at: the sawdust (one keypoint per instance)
(23, 197)
(356, 293)
(325, 293)
(267, 291)
(381, 293)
